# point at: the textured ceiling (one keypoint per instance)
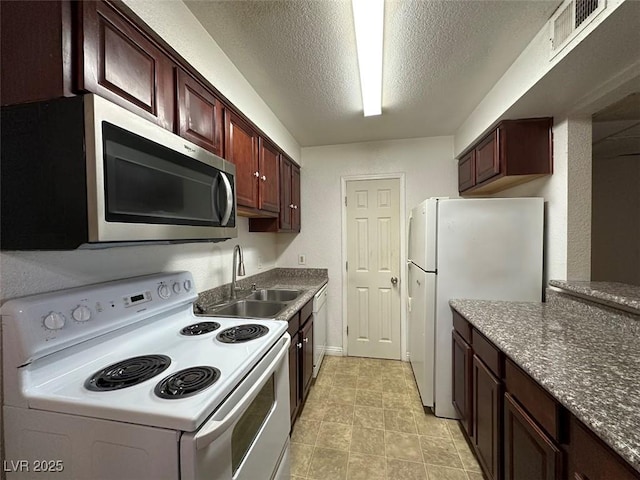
(441, 58)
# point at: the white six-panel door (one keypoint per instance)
(373, 256)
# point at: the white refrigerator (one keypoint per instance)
(489, 248)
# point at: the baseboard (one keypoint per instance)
(334, 351)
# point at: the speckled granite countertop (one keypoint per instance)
(589, 363)
(610, 293)
(309, 280)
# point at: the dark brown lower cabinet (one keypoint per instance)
(487, 423)
(462, 382)
(529, 453)
(294, 369)
(590, 459)
(306, 374)
(300, 358)
(519, 431)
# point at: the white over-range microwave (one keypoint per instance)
(82, 172)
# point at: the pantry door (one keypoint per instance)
(373, 268)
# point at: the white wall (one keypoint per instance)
(27, 273)
(429, 171)
(616, 219)
(175, 23)
(567, 195)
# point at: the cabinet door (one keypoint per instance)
(286, 207)
(529, 454)
(307, 356)
(294, 395)
(487, 399)
(241, 148)
(487, 158)
(199, 113)
(269, 184)
(122, 64)
(466, 172)
(462, 381)
(295, 198)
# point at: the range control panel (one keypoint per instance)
(45, 323)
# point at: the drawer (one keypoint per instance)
(306, 311)
(461, 326)
(544, 409)
(488, 353)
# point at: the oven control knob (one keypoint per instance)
(176, 288)
(163, 291)
(187, 285)
(81, 313)
(54, 321)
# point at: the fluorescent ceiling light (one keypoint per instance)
(368, 17)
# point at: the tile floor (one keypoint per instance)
(363, 420)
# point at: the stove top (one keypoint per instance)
(187, 382)
(200, 328)
(242, 333)
(138, 358)
(127, 373)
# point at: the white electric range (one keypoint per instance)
(121, 380)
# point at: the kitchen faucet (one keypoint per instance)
(240, 272)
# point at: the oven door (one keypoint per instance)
(247, 437)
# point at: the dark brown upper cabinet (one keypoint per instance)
(241, 148)
(286, 205)
(102, 47)
(199, 113)
(36, 40)
(288, 219)
(515, 152)
(467, 171)
(120, 63)
(295, 198)
(269, 177)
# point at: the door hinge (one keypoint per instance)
(346, 266)
(347, 330)
(345, 201)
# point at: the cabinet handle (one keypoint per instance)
(264, 178)
(306, 340)
(295, 207)
(256, 174)
(291, 206)
(299, 345)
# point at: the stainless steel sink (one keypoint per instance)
(275, 295)
(248, 309)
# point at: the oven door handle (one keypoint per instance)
(214, 428)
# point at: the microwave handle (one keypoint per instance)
(214, 428)
(229, 190)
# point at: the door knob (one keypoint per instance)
(394, 280)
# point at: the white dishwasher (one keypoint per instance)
(319, 328)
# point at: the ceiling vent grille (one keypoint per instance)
(571, 18)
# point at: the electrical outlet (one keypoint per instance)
(302, 259)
